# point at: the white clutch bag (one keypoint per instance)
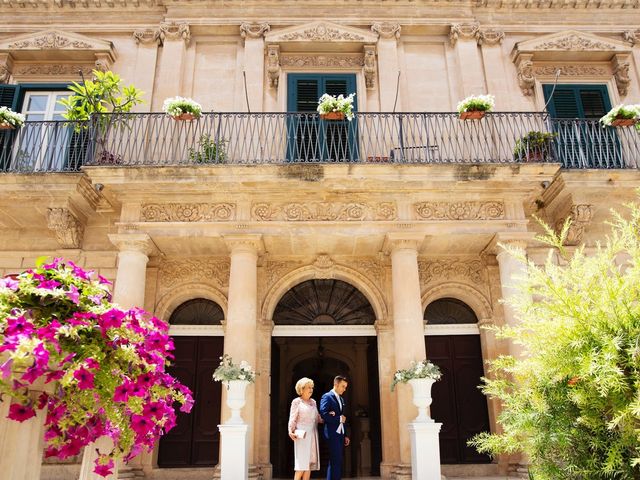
(299, 433)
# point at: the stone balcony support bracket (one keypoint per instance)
(67, 226)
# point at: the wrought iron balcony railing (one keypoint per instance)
(154, 139)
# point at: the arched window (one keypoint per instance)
(199, 311)
(449, 311)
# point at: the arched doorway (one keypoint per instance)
(323, 315)
(195, 440)
(453, 343)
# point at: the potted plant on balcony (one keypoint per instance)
(421, 376)
(534, 147)
(209, 150)
(105, 367)
(622, 116)
(180, 108)
(475, 106)
(10, 119)
(331, 107)
(235, 378)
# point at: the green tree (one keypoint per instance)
(571, 403)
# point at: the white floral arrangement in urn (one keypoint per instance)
(10, 119)
(181, 108)
(228, 371)
(622, 116)
(421, 369)
(336, 108)
(476, 103)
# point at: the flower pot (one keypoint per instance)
(6, 126)
(332, 116)
(422, 397)
(236, 398)
(472, 115)
(624, 122)
(184, 116)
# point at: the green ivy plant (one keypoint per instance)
(571, 402)
(534, 145)
(208, 151)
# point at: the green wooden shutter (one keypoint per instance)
(8, 98)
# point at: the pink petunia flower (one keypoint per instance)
(85, 378)
(20, 413)
(73, 294)
(9, 283)
(48, 284)
(18, 326)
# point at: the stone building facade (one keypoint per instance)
(311, 249)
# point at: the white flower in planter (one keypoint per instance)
(177, 106)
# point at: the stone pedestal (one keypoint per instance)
(425, 450)
(234, 460)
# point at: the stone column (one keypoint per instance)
(240, 336)
(388, 404)
(253, 34)
(388, 65)
(175, 38)
(464, 38)
(145, 68)
(408, 325)
(133, 255)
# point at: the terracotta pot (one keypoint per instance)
(185, 116)
(6, 126)
(623, 122)
(472, 115)
(332, 116)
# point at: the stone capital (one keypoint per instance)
(134, 242)
(402, 241)
(147, 36)
(386, 30)
(251, 243)
(511, 239)
(253, 30)
(68, 229)
(464, 31)
(490, 36)
(175, 31)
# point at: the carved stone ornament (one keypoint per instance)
(53, 69)
(580, 216)
(324, 266)
(371, 269)
(632, 36)
(621, 64)
(370, 66)
(575, 70)
(273, 65)
(67, 227)
(464, 31)
(472, 270)
(460, 210)
(387, 30)
(344, 60)
(490, 36)
(147, 36)
(253, 30)
(323, 211)
(6, 67)
(175, 31)
(188, 212)
(575, 42)
(207, 270)
(322, 32)
(276, 270)
(526, 77)
(49, 41)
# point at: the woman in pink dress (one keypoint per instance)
(303, 420)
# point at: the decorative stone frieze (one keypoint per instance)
(580, 216)
(175, 31)
(49, 40)
(322, 33)
(470, 270)
(575, 70)
(188, 212)
(209, 270)
(52, 69)
(387, 30)
(253, 30)
(68, 229)
(632, 36)
(491, 210)
(345, 60)
(147, 36)
(370, 66)
(576, 42)
(276, 270)
(490, 36)
(323, 211)
(464, 31)
(621, 64)
(273, 65)
(371, 268)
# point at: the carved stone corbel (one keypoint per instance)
(273, 65)
(490, 37)
(387, 30)
(147, 36)
(526, 77)
(620, 65)
(632, 36)
(580, 215)
(68, 229)
(6, 67)
(370, 65)
(175, 31)
(103, 62)
(253, 30)
(464, 31)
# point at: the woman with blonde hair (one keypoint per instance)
(303, 420)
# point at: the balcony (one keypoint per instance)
(154, 139)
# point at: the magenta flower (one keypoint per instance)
(48, 284)
(5, 368)
(20, 413)
(9, 283)
(85, 378)
(73, 294)
(104, 470)
(141, 424)
(123, 391)
(154, 409)
(18, 326)
(103, 281)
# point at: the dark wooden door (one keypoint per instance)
(195, 441)
(457, 402)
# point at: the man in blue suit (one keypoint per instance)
(332, 412)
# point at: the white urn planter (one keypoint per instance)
(236, 399)
(422, 397)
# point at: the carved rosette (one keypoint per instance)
(188, 212)
(580, 216)
(68, 229)
(387, 30)
(273, 65)
(175, 31)
(253, 30)
(464, 31)
(194, 270)
(334, 61)
(370, 66)
(621, 65)
(491, 210)
(323, 211)
(469, 270)
(490, 37)
(147, 36)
